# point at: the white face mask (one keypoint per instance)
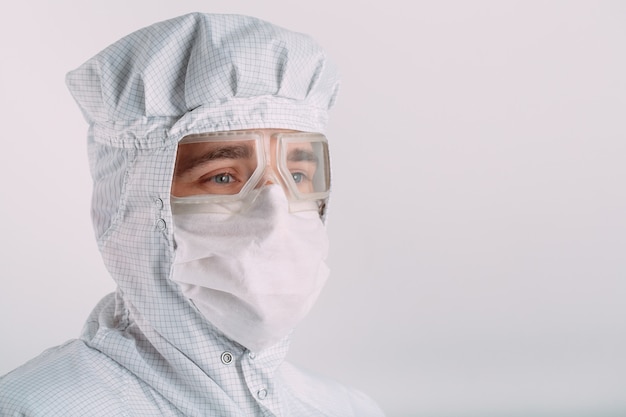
(255, 274)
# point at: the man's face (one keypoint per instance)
(225, 164)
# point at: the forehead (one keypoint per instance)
(202, 142)
(232, 135)
(197, 149)
(265, 132)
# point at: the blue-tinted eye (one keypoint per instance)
(222, 178)
(298, 177)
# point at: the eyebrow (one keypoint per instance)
(219, 152)
(298, 155)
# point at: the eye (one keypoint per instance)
(223, 178)
(298, 177)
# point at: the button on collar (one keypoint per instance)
(160, 224)
(261, 394)
(227, 358)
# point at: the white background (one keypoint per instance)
(478, 220)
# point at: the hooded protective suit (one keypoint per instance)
(145, 350)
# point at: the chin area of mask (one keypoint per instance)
(254, 275)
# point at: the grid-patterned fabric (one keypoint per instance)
(145, 350)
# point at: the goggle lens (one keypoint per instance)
(217, 168)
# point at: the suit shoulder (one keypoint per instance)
(70, 379)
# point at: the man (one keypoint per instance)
(211, 180)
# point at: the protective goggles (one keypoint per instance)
(224, 171)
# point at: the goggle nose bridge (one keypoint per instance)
(269, 177)
(269, 164)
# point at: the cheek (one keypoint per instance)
(178, 188)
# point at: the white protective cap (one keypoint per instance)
(204, 73)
